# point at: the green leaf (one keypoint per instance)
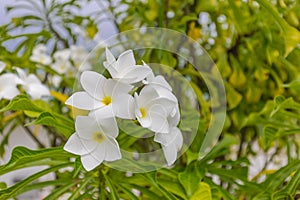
(17, 188)
(220, 148)
(172, 186)
(150, 177)
(59, 191)
(143, 190)
(48, 119)
(113, 191)
(203, 192)
(233, 97)
(21, 102)
(274, 181)
(23, 157)
(127, 190)
(82, 184)
(291, 186)
(190, 178)
(44, 184)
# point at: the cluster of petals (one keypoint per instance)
(155, 107)
(65, 62)
(31, 84)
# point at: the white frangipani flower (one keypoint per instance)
(62, 55)
(152, 110)
(62, 66)
(171, 143)
(2, 66)
(105, 98)
(162, 87)
(94, 141)
(32, 85)
(39, 55)
(125, 69)
(8, 86)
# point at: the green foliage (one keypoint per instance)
(255, 45)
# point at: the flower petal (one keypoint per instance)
(170, 153)
(85, 127)
(161, 105)
(134, 74)
(100, 151)
(123, 106)
(161, 82)
(110, 63)
(109, 126)
(103, 113)
(112, 150)
(89, 162)
(146, 95)
(93, 83)
(10, 79)
(2, 66)
(126, 59)
(36, 91)
(83, 101)
(113, 87)
(9, 92)
(173, 136)
(75, 146)
(159, 122)
(174, 116)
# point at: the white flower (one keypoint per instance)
(105, 98)
(125, 68)
(2, 66)
(171, 143)
(62, 55)
(8, 86)
(32, 85)
(62, 66)
(39, 55)
(94, 141)
(161, 86)
(152, 110)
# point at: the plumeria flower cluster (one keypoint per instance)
(155, 107)
(66, 62)
(30, 83)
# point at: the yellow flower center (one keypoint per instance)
(143, 112)
(99, 137)
(106, 100)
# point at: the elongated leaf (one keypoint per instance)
(44, 184)
(291, 186)
(220, 147)
(48, 119)
(59, 191)
(16, 189)
(21, 102)
(173, 186)
(271, 184)
(127, 190)
(113, 191)
(23, 157)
